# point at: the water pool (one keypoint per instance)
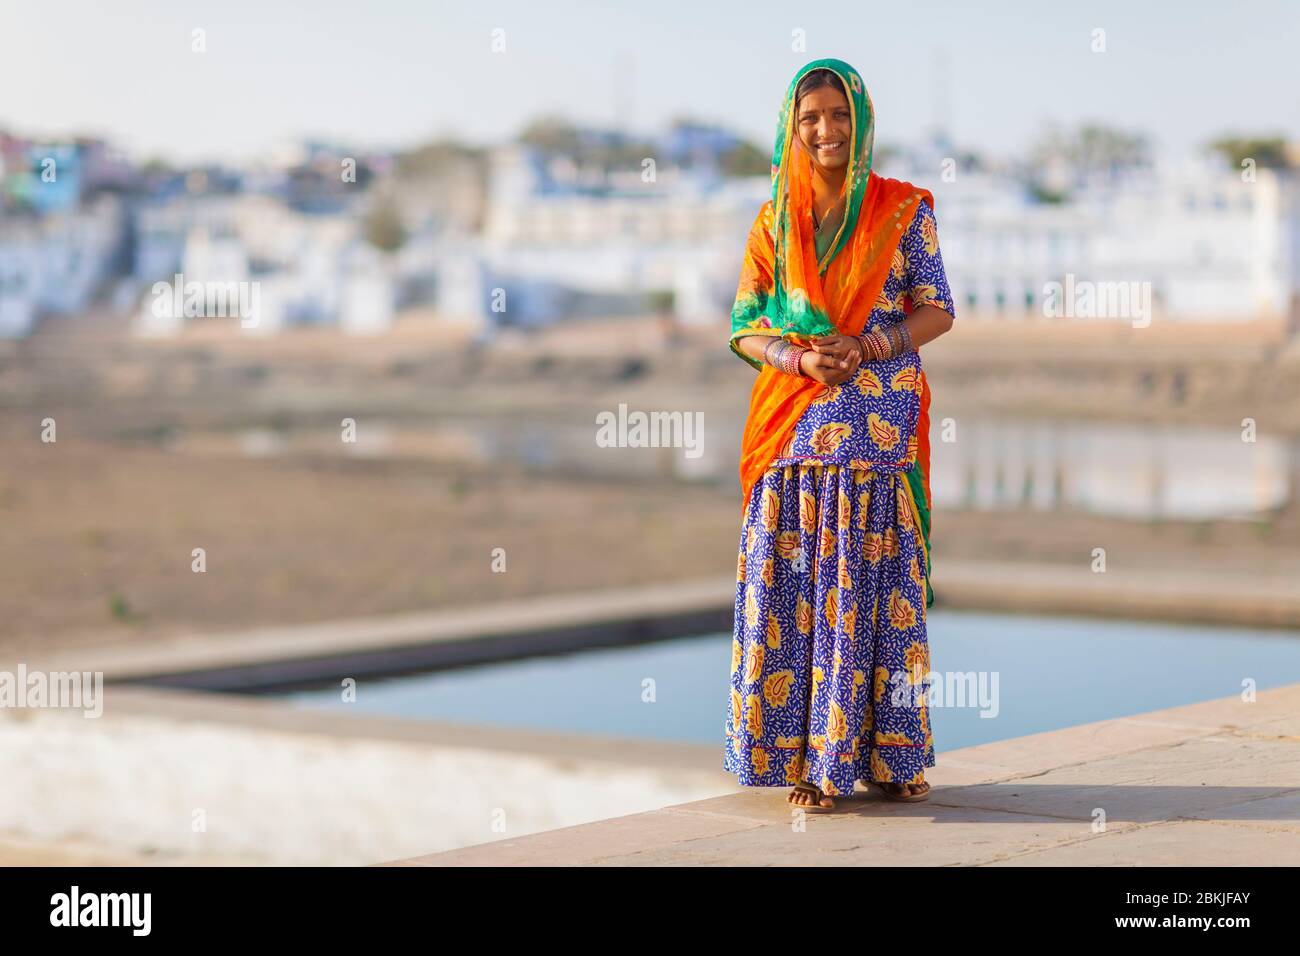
(1038, 673)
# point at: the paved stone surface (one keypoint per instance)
(1216, 783)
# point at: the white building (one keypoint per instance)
(1188, 242)
(302, 269)
(1207, 244)
(55, 263)
(675, 234)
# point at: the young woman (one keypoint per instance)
(842, 282)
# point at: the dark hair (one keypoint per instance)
(815, 81)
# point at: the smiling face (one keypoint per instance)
(825, 126)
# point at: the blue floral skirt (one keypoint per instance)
(830, 663)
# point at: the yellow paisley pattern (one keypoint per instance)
(883, 434)
(753, 662)
(826, 439)
(868, 382)
(902, 616)
(771, 509)
(776, 689)
(831, 604)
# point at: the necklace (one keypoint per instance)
(818, 220)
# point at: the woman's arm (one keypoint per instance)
(927, 282)
(927, 323)
(821, 368)
(924, 323)
(753, 345)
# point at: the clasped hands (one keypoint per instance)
(834, 359)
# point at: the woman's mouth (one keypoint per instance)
(831, 147)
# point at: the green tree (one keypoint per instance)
(1266, 151)
(746, 159)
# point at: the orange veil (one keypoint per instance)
(785, 290)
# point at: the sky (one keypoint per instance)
(389, 74)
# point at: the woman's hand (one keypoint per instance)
(843, 348)
(828, 369)
(834, 359)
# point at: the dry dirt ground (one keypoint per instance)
(100, 526)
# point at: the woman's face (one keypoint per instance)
(825, 126)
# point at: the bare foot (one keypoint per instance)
(807, 795)
(906, 789)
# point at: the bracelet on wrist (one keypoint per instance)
(785, 356)
(794, 359)
(778, 355)
(767, 350)
(867, 347)
(883, 346)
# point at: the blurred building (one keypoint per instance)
(56, 263)
(309, 268)
(543, 237)
(1212, 246)
(550, 250)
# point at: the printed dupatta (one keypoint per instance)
(787, 290)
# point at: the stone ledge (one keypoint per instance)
(1214, 784)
